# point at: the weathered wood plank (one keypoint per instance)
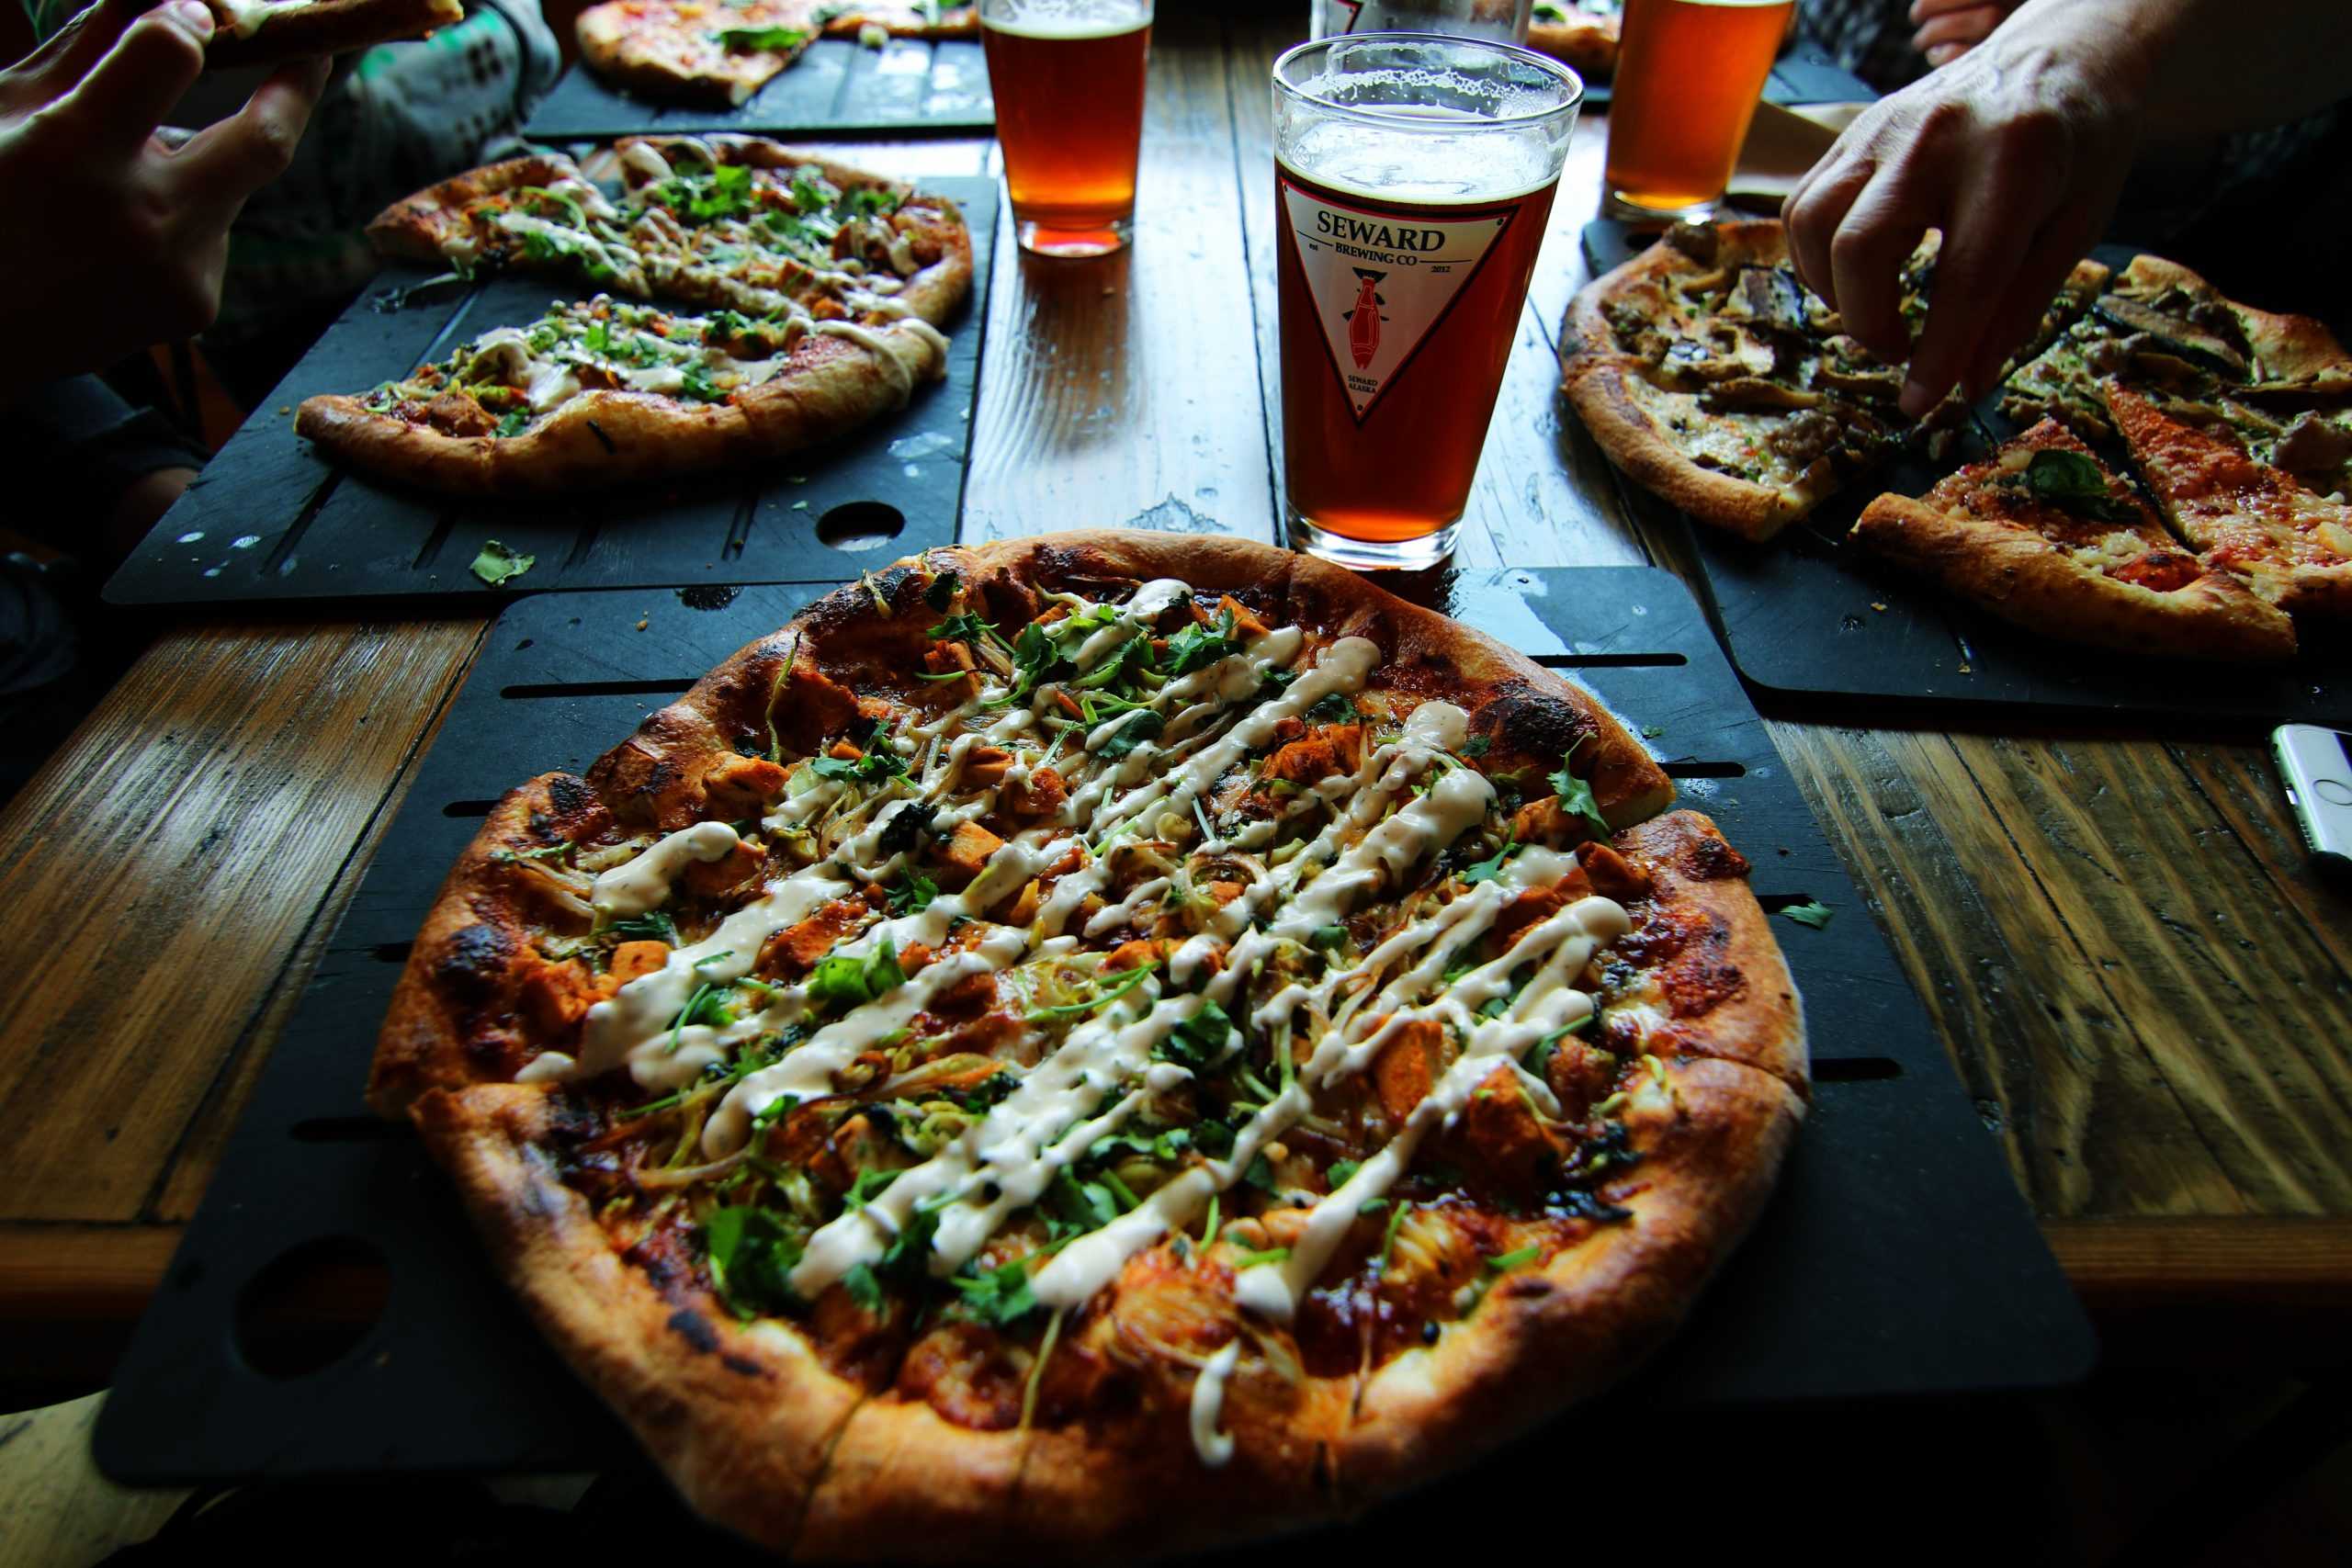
(2239, 1259)
(175, 851)
(2241, 1006)
(2037, 1040)
(1116, 390)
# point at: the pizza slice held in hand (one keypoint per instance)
(270, 32)
(2044, 535)
(2292, 545)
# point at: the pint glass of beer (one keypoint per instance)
(1068, 79)
(1413, 176)
(1688, 75)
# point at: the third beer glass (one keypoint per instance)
(1413, 177)
(1068, 78)
(1688, 75)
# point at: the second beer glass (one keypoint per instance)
(1067, 76)
(1413, 178)
(1689, 75)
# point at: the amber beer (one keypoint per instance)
(1067, 76)
(1413, 181)
(1689, 75)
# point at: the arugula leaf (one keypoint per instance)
(783, 40)
(911, 892)
(999, 1297)
(751, 1258)
(1812, 912)
(2073, 482)
(1199, 1043)
(495, 563)
(1145, 725)
(846, 982)
(1577, 797)
(1198, 647)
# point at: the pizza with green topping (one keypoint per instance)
(1106, 1043)
(1582, 34)
(722, 51)
(818, 286)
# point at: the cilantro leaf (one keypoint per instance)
(1577, 797)
(1198, 647)
(1337, 708)
(1487, 870)
(965, 628)
(1476, 745)
(1199, 1043)
(511, 425)
(654, 926)
(1142, 727)
(751, 1258)
(864, 1288)
(911, 892)
(876, 766)
(999, 1297)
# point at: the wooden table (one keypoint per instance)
(2144, 987)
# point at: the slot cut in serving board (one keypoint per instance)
(908, 87)
(271, 518)
(1811, 613)
(1897, 1257)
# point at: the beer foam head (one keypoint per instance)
(1417, 118)
(1066, 18)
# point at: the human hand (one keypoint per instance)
(2017, 152)
(124, 234)
(1950, 29)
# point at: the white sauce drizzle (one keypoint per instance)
(1214, 1448)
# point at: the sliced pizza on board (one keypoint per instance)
(2292, 545)
(609, 392)
(1097, 1045)
(1582, 34)
(732, 223)
(270, 32)
(2044, 535)
(698, 52)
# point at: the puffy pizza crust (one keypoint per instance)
(2022, 577)
(417, 228)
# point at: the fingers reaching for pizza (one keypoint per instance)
(1950, 29)
(138, 228)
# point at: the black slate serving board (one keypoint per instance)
(1896, 1258)
(909, 87)
(1810, 615)
(1805, 74)
(269, 518)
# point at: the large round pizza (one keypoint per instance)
(1100, 1043)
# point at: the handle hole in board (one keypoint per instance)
(1855, 1069)
(861, 525)
(598, 689)
(467, 808)
(1688, 770)
(349, 1130)
(1610, 661)
(311, 1305)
